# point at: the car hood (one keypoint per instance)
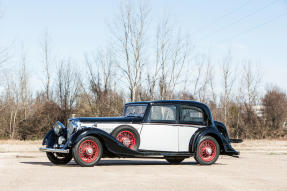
(110, 119)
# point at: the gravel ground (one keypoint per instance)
(261, 166)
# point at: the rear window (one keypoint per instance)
(190, 114)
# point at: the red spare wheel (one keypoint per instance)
(128, 136)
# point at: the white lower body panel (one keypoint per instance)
(159, 137)
(185, 134)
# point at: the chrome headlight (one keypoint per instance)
(61, 140)
(73, 126)
(59, 128)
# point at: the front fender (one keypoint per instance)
(110, 143)
(50, 138)
(47, 136)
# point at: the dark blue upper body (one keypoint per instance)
(137, 119)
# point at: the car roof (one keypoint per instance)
(187, 102)
(192, 102)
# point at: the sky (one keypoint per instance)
(251, 29)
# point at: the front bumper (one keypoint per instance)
(54, 150)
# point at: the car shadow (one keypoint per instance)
(120, 163)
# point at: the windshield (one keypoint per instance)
(135, 110)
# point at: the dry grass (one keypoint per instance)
(263, 142)
(18, 142)
(19, 146)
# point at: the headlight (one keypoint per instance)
(59, 128)
(73, 126)
(61, 140)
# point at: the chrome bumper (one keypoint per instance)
(54, 150)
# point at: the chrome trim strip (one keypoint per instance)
(175, 124)
(43, 149)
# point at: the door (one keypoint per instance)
(160, 132)
(191, 118)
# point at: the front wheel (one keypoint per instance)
(59, 158)
(88, 151)
(207, 151)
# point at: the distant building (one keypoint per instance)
(258, 110)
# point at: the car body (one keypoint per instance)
(170, 129)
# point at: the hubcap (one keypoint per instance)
(126, 141)
(127, 138)
(88, 151)
(207, 150)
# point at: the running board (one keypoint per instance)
(236, 140)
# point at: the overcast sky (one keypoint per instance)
(252, 29)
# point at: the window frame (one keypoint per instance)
(205, 116)
(134, 104)
(148, 112)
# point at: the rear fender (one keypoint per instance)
(222, 129)
(209, 131)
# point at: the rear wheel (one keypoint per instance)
(207, 151)
(127, 136)
(174, 160)
(59, 158)
(88, 151)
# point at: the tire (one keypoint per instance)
(174, 160)
(88, 151)
(59, 158)
(127, 136)
(207, 151)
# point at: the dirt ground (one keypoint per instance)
(261, 166)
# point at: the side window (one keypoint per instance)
(193, 115)
(162, 113)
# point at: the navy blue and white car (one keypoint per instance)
(169, 129)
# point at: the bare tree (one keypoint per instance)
(251, 78)
(203, 88)
(16, 98)
(274, 111)
(67, 87)
(13, 100)
(130, 28)
(24, 90)
(172, 53)
(198, 75)
(46, 51)
(100, 95)
(179, 57)
(161, 58)
(228, 81)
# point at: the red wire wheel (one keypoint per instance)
(88, 151)
(207, 151)
(127, 138)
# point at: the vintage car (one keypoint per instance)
(169, 129)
